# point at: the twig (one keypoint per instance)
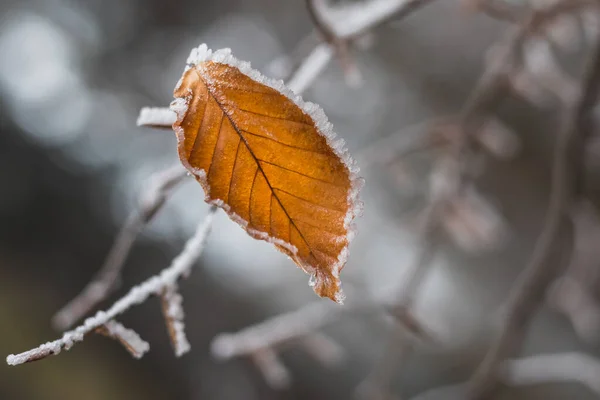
(357, 19)
(156, 117)
(552, 368)
(173, 313)
(544, 67)
(323, 348)
(447, 183)
(408, 140)
(500, 10)
(107, 278)
(534, 370)
(132, 342)
(272, 368)
(275, 331)
(180, 266)
(354, 19)
(573, 294)
(567, 177)
(339, 26)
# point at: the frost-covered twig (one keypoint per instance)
(261, 342)
(553, 368)
(156, 117)
(173, 313)
(275, 331)
(352, 19)
(180, 266)
(132, 342)
(341, 24)
(107, 279)
(533, 370)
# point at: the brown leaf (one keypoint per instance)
(270, 161)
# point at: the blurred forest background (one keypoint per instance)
(73, 76)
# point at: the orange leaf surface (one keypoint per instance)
(270, 161)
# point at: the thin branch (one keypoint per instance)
(376, 384)
(323, 348)
(573, 294)
(567, 177)
(180, 267)
(156, 117)
(449, 180)
(132, 342)
(552, 368)
(315, 11)
(173, 313)
(275, 331)
(501, 10)
(349, 23)
(351, 20)
(107, 279)
(272, 368)
(534, 370)
(411, 139)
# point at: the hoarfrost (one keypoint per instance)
(156, 116)
(180, 266)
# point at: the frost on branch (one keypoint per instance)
(353, 18)
(173, 312)
(134, 344)
(156, 117)
(107, 279)
(156, 285)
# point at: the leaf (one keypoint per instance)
(270, 161)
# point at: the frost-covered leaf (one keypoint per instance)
(270, 160)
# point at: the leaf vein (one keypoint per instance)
(237, 150)
(212, 158)
(250, 198)
(286, 144)
(300, 173)
(200, 126)
(223, 109)
(308, 201)
(274, 117)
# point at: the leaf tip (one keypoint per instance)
(327, 285)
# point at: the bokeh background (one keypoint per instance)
(73, 76)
